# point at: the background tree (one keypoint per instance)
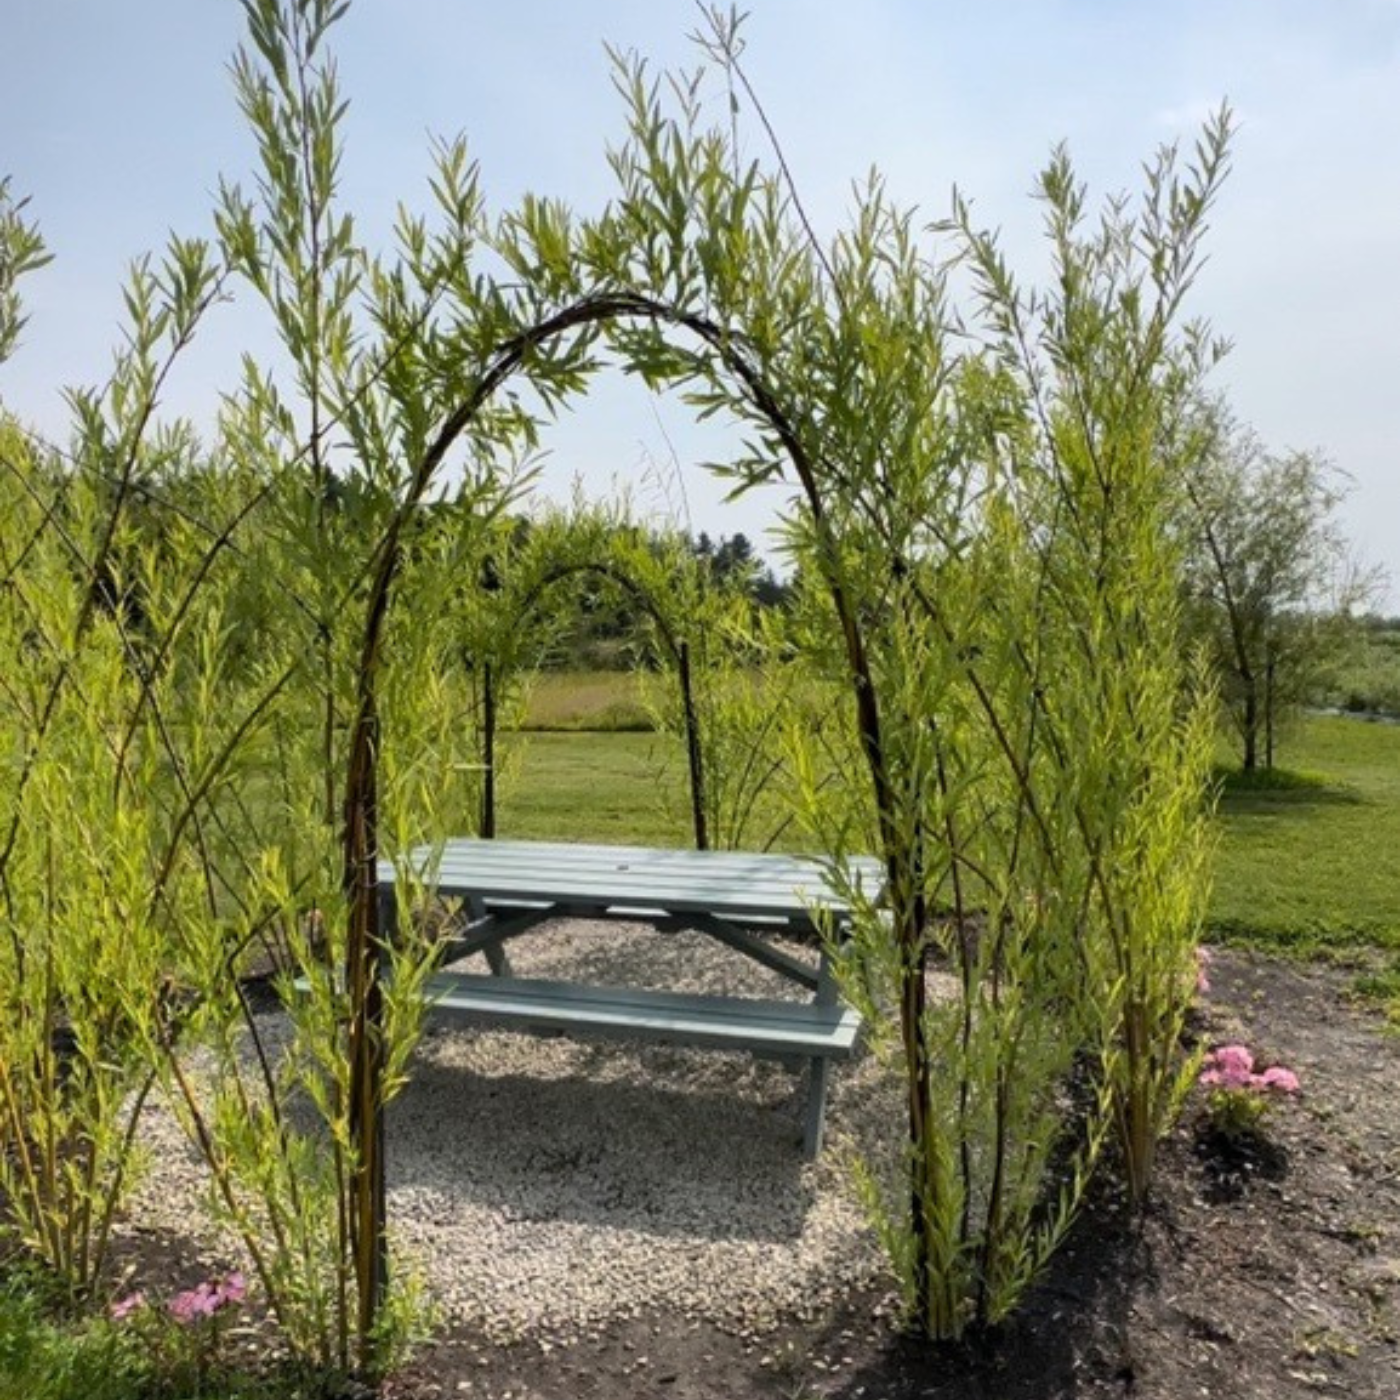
(1271, 583)
(734, 563)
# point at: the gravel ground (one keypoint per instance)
(547, 1188)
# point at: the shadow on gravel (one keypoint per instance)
(597, 1137)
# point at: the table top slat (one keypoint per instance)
(763, 884)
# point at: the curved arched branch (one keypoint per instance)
(365, 948)
(679, 651)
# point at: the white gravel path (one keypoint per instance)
(546, 1187)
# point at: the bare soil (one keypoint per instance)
(1255, 1275)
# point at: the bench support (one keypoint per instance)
(828, 995)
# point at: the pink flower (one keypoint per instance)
(1276, 1077)
(1234, 1061)
(193, 1303)
(1231, 1067)
(124, 1307)
(207, 1298)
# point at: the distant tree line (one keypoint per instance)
(609, 625)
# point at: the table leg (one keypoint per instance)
(816, 1107)
(388, 913)
(495, 950)
(828, 993)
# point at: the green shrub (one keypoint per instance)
(45, 1355)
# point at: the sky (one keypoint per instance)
(118, 121)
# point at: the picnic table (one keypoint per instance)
(510, 887)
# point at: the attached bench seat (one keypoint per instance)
(784, 1028)
(817, 1031)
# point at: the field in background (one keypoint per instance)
(1369, 678)
(615, 701)
(624, 787)
(1308, 858)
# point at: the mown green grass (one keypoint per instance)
(1309, 858)
(1307, 863)
(591, 786)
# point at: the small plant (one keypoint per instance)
(1322, 1343)
(182, 1337)
(1240, 1096)
(1383, 985)
(48, 1353)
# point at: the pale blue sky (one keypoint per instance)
(118, 119)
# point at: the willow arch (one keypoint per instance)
(364, 947)
(863, 345)
(677, 647)
(870, 452)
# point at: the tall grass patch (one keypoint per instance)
(609, 701)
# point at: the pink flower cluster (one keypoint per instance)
(1232, 1067)
(207, 1298)
(204, 1300)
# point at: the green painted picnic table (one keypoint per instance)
(511, 887)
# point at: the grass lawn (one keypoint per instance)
(1309, 857)
(595, 786)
